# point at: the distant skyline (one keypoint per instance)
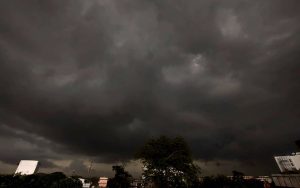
(93, 80)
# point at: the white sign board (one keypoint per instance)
(27, 167)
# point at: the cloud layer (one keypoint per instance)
(97, 78)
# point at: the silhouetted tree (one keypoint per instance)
(237, 176)
(94, 181)
(121, 179)
(168, 163)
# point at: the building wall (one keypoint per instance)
(296, 160)
(288, 163)
(286, 180)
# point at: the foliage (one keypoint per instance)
(168, 163)
(94, 181)
(121, 179)
(237, 177)
(54, 180)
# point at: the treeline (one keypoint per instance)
(53, 180)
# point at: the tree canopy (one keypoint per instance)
(121, 179)
(168, 163)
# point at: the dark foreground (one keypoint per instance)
(59, 180)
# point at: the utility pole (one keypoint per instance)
(90, 169)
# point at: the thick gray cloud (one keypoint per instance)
(97, 78)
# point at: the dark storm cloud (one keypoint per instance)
(76, 166)
(97, 78)
(16, 143)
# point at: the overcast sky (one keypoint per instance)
(88, 80)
